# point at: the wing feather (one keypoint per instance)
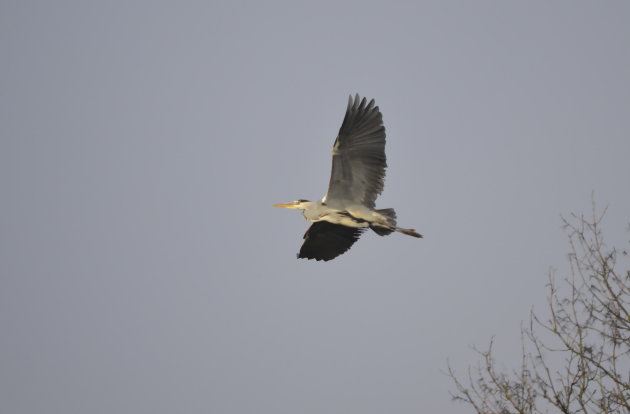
(359, 162)
(325, 241)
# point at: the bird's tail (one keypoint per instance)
(390, 215)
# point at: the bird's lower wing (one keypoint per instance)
(325, 241)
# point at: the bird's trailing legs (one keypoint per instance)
(409, 232)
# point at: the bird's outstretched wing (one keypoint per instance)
(358, 165)
(325, 241)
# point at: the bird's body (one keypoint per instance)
(356, 180)
(319, 211)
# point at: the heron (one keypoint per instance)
(356, 180)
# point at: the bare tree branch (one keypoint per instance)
(587, 334)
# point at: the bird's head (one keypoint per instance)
(295, 205)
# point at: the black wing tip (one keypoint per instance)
(323, 259)
(356, 97)
(301, 255)
(360, 113)
(359, 102)
(325, 241)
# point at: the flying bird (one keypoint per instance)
(356, 180)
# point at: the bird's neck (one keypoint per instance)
(310, 211)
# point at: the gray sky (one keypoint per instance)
(143, 143)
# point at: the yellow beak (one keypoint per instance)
(287, 205)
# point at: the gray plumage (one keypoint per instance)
(358, 162)
(356, 180)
